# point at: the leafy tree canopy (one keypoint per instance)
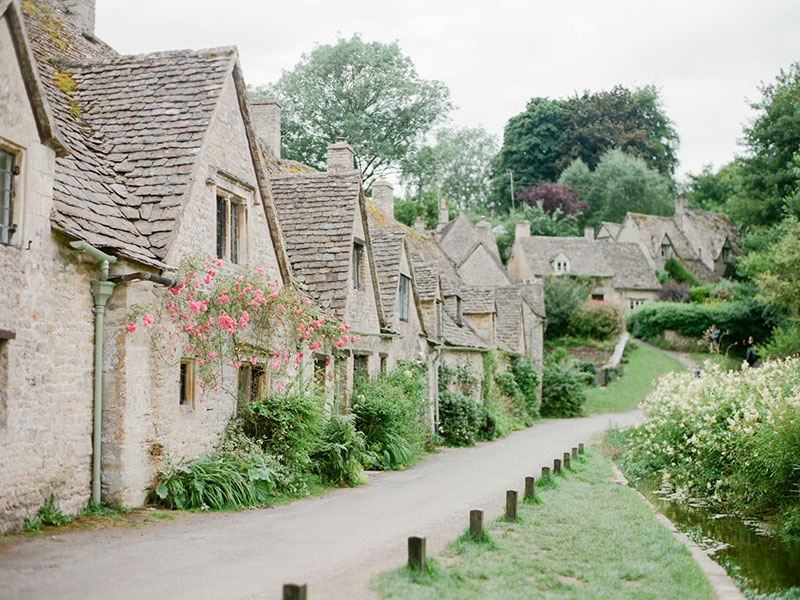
(367, 92)
(459, 164)
(552, 196)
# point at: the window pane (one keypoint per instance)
(235, 209)
(221, 210)
(403, 298)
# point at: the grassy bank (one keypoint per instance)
(586, 538)
(625, 393)
(726, 363)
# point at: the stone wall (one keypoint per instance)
(482, 269)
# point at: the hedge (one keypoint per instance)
(736, 320)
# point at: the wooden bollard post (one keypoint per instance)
(529, 488)
(292, 591)
(567, 462)
(580, 448)
(416, 554)
(557, 466)
(476, 523)
(574, 453)
(545, 471)
(511, 505)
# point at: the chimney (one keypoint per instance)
(81, 13)
(444, 214)
(419, 225)
(341, 156)
(680, 210)
(588, 233)
(522, 229)
(383, 195)
(485, 232)
(266, 115)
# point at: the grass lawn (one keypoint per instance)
(728, 363)
(585, 538)
(625, 393)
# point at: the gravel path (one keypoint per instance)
(335, 543)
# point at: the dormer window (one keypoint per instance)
(402, 299)
(358, 264)
(8, 170)
(664, 250)
(726, 254)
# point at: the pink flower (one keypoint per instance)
(212, 355)
(273, 295)
(281, 386)
(259, 271)
(201, 383)
(212, 272)
(131, 327)
(338, 344)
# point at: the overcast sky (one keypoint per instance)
(706, 57)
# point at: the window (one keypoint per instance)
(664, 250)
(405, 285)
(8, 170)
(726, 254)
(562, 267)
(358, 261)
(384, 358)
(187, 383)
(230, 228)
(636, 302)
(253, 383)
(320, 373)
(458, 311)
(597, 297)
(360, 366)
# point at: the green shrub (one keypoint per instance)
(515, 401)
(48, 514)
(738, 319)
(699, 293)
(562, 295)
(596, 319)
(217, 481)
(460, 418)
(528, 382)
(492, 420)
(563, 389)
(587, 367)
(341, 452)
(389, 411)
(679, 273)
(287, 425)
(784, 341)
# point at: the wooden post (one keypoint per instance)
(529, 487)
(293, 591)
(557, 466)
(476, 523)
(566, 460)
(574, 453)
(545, 471)
(511, 505)
(416, 554)
(580, 448)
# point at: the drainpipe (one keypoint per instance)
(101, 292)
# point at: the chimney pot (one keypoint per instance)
(588, 233)
(266, 116)
(419, 224)
(522, 229)
(444, 214)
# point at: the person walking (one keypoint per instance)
(750, 351)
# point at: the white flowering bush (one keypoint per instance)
(733, 437)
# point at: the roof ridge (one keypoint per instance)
(231, 51)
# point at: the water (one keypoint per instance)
(759, 562)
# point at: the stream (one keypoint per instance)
(760, 563)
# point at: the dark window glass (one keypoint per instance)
(403, 297)
(360, 366)
(235, 214)
(222, 206)
(358, 251)
(6, 194)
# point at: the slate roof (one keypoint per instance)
(464, 336)
(623, 263)
(458, 238)
(387, 248)
(316, 212)
(477, 300)
(533, 293)
(652, 228)
(714, 228)
(426, 253)
(509, 318)
(609, 229)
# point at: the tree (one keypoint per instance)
(716, 191)
(552, 196)
(459, 164)
(556, 224)
(630, 120)
(622, 183)
(367, 92)
(530, 148)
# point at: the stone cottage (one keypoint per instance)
(703, 242)
(120, 167)
(621, 272)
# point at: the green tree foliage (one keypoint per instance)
(620, 183)
(550, 135)
(407, 210)
(563, 386)
(554, 223)
(713, 191)
(562, 296)
(367, 92)
(459, 164)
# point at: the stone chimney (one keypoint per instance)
(341, 156)
(588, 233)
(81, 13)
(419, 225)
(522, 229)
(266, 115)
(680, 210)
(485, 232)
(383, 195)
(444, 214)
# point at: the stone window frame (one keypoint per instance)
(726, 254)
(252, 383)
(237, 196)
(403, 295)
(187, 380)
(360, 365)
(636, 302)
(665, 247)
(359, 248)
(10, 236)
